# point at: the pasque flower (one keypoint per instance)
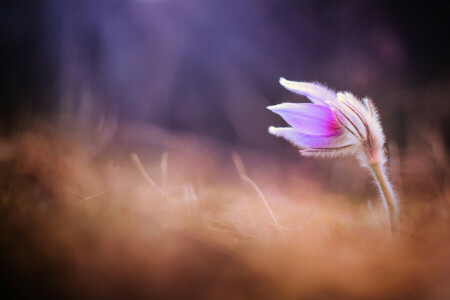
(336, 124)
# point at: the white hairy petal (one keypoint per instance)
(318, 94)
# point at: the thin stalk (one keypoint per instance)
(387, 195)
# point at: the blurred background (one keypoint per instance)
(210, 67)
(209, 205)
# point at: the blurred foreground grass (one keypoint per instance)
(213, 224)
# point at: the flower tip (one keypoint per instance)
(284, 82)
(271, 107)
(272, 130)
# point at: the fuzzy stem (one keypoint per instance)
(387, 195)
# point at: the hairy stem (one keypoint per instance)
(387, 195)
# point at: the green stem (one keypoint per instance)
(387, 195)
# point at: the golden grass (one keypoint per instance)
(214, 225)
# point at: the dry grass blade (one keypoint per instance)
(144, 173)
(164, 169)
(91, 197)
(242, 173)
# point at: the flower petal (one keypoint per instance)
(308, 118)
(307, 141)
(317, 93)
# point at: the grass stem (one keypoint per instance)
(387, 195)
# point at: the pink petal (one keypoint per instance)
(306, 141)
(308, 118)
(317, 93)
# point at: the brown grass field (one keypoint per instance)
(196, 219)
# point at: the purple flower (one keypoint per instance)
(333, 124)
(337, 124)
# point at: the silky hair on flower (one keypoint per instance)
(337, 124)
